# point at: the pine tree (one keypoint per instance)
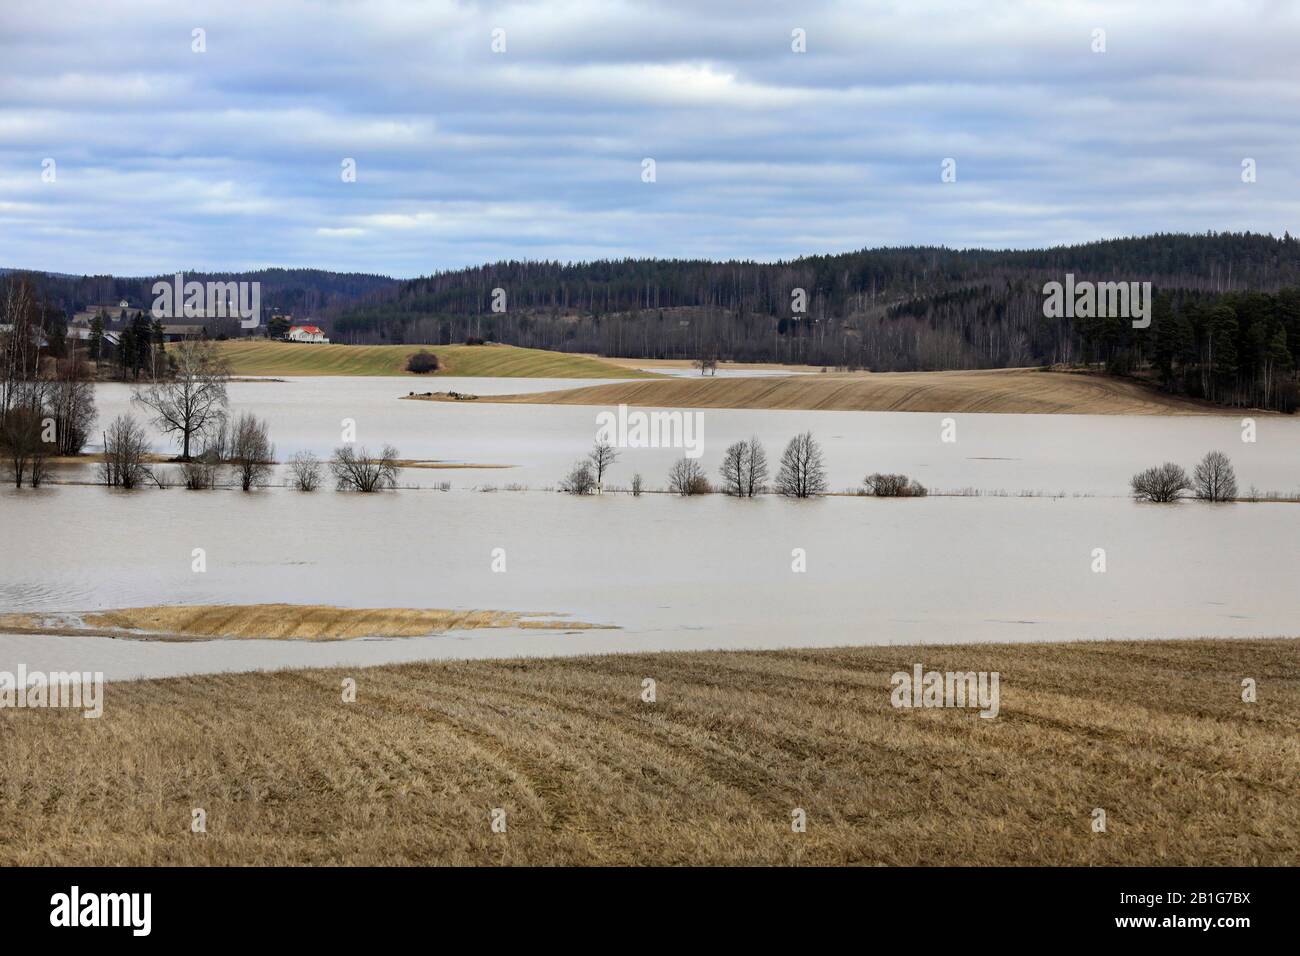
(96, 338)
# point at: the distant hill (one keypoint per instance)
(1226, 322)
(309, 293)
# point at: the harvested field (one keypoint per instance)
(1023, 391)
(1154, 733)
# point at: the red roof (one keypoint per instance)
(306, 328)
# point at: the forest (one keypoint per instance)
(1225, 324)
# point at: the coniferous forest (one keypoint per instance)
(1225, 318)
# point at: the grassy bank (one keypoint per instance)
(264, 358)
(1026, 391)
(1154, 733)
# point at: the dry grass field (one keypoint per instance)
(290, 622)
(1026, 391)
(1155, 733)
(656, 364)
(261, 357)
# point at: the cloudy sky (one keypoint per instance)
(166, 158)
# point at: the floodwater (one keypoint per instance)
(671, 573)
(1049, 454)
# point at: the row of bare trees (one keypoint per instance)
(801, 473)
(246, 448)
(744, 471)
(1212, 480)
(47, 403)
(47, 416)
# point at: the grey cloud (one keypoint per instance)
(230, 159)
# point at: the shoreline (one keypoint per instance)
(149, 644)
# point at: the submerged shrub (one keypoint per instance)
(199, 474)
(687, 478)
(581, 480)
(1162, 483)
(893, 486)
(305, 469)
(360, 471)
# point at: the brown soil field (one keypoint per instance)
(1024, 391)
(1154, 733)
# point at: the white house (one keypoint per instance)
(305, 333)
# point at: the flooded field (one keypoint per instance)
(669, 573)
(1051, 454)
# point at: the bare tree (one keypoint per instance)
(217, 439)
(71, 398)
(687, 478)
(707, 361)
(305, 468)
(1162, 483)
(193, 399)
(20, 342)
(580, 480)
(802, 473)
(1214, 478)
(126, 449)
(251, 451)
(359, 471)
(733, 469)
(602, 456)
(23, 435)
(636, 485)
(744, 468)
(755, 473)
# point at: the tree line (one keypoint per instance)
(744, 473)
(1226, 323)
(47, 403)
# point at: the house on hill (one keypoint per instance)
(119, 313)
(306, 333)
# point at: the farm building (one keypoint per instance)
(306, 333)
